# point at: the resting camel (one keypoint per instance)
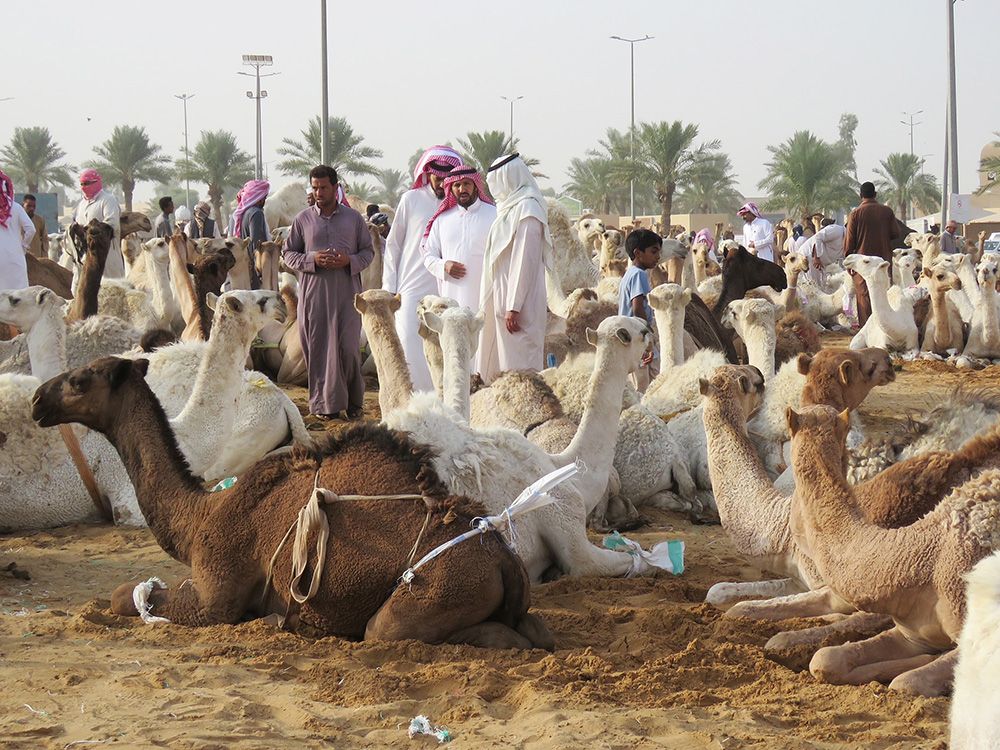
(47, 273)
(475, 593)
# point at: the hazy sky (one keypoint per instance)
(410, 74)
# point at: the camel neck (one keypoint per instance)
(171, 500)
(760, 342)
(85, 302)
(821, 488)
(457, 355)
(159, 285)
(183, 285)
(877, 293)
(47, 345)
(395, 385)
(670, 324)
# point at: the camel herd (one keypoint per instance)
(750, 423)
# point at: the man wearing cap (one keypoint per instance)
(403, 270)
(456, 237)
(518, 250)
(100, 204)
(758, 234)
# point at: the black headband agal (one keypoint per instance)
(464, 171)
(509, 159)
(440, 166)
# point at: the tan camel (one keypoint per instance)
(944, 329)
(914, 574)
(475, 593)
(278, 348)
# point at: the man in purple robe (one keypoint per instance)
(329, 246)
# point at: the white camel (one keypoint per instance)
(890, 327)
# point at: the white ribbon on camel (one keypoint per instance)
(140, 598)
(531, 498)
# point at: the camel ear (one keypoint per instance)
(359, 303)
(686, 296)
(120, 372)
(234, 304)
(804, 363)
(592, 337)
(844, 422)
(140, 366)
(624, 336)
(705, 386)
(745, 384)
(792, 417)
(396, 302)
(212, 300)
(846, 371)
(928, 273)
(433, 321)
(43, 294)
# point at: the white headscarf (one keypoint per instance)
(518, 198)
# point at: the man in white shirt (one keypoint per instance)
(100, 204)
(758, 234)
(824, 248)
(16, 232)
(403, 270)
(456, 237)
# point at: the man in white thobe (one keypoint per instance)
(758, 234)
(102, 205)
(16, 232)
(518, 251)
(403, 270)
(456, 237)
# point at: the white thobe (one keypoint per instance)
(403, 273)
(761, 233)
(518, 284)
(829, 244)
(15, 239)
(459, 234)
(104, 207)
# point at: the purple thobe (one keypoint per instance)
(329, 326)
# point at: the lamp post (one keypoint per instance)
(187, 157)
(512, 100)
(631, 132)
(324, 149)
(257, 62)
(949, 184)
(911, 124)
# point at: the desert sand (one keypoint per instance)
(640, 663)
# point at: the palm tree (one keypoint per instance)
(664, 155)
(616, 148)
(480, 150)
(348, 154)
(128, 157)
(990, 166)
(363, 191)
(32, 159)
(218, 162)
(592, 182)
(901, 182)
(806, 174)
(392, 184)
(709, 186)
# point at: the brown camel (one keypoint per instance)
(742, 272)
(48, 273)
(93, 244)
(134, 221)
(476, 592)
(209, 272)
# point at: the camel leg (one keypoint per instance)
(818, 603)
(725, 593)
(881, 658)
(931, 680)
(794, 648)
(184, 605)
(578, 557)
(490, 635)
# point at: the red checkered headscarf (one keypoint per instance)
(438, 160)
(252, 193)
(6, 198)
(459, 173)
(752, 208)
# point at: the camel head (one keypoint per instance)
(158, 248)
(627, 337)
(941, 279)
(457, 328)
(728, 246)
(88, 395)
(986, 273)
(25, 307)
(377, 303)
(250, 309)
(612, 238)
(796, 262)
(742, 385)
(212, 269)
(819, 433)
(868, 266)
(99, 236)
(850, 373)
(265, 260)
(616, 268)
(743, 314)
(668, 297)
(183, 246)
(435, 304)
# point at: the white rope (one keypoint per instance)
(140, 598)
(533, 497)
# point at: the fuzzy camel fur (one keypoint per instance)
(44, 272)
(475, 593)
(573, 261)
(742, 272)
(91, 246)
(429, 337)
(944, 329)
(890, 327)
(984, 330)
(913, 573)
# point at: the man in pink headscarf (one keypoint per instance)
(16, 233)
(706, 237)
(403, 272)
(455, 240)
(758, 234)
(102, 205)
(249, 223)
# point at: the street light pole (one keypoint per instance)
(631, 182)
(187, 155)
(911, 124)
(949, 184)
(257, 62)
(512, 100)
(325, 138)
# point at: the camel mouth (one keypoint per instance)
(40, 413)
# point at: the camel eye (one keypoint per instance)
(14, 301)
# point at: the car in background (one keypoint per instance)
(992, 244)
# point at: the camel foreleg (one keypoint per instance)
(184, 605)
(878, 659)
(794, 648)
(931, 680)
(726, 593)
(817, 603)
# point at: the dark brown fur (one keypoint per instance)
(794, 334)
(155, 338)
(742, 272)
(48, 273)
(474, 593)
(209, 272)
(706, 330)
(93, 243)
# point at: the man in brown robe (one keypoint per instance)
(871, 230)
(329, 246)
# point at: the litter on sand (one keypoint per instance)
(668, 556)
(422, 725)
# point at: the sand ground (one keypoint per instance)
(640, 663)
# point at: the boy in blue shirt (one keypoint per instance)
(643, 247)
